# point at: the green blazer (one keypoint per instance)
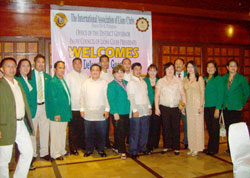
(8, 114)
(151, 93)
(47, 78)
(118, 98)
(214, 92)
(58, 101)
(236, 97)
(29, 94)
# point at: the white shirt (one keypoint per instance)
(41, 73)
(74, 81)
(138, 96)
(27, 82)
(65, 88)
(107, 76)
(20, 107)
(181, 74)
(93, 99)
(127, 76)
(170, 92)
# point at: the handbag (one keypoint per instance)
(223, 132)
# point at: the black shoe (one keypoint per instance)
(66, 154)
(102, 154)
(164, 151)
(134, 156)
(147, 152)
(32, 167)
(185, 146)
(47, 158)
(205, 151)
(108, 146)
(176, 153)
(227, 151)
(60, 158)
(75, 152)
(210, 153)
(87, 154)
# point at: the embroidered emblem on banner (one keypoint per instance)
(142, 24)
(60, 20)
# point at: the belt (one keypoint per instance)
(20, 119)
(40, 103)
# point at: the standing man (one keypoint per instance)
(180, 73)
(74, 80)
(126, 62)
(108, 77)
(39, 83)
(95, 110)
(59, 111)
(141, 111)
(15, 122)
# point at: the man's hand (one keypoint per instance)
(116, 116)
(136, 114)
(150, 112)
(82, 114)
(106, 115)
(0, 134)
(57, 118)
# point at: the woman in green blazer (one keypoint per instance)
(155, 121)
(214, 93)
(237, 91)
(119, 109)
(23, 75)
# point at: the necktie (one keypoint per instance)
(179, 75)
(40, 87)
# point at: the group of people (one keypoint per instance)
(138, 108)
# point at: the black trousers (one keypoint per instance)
(171, 127)
(213, 128)
(231, 117)
(76, 132)
(154, 130)
(107, 143)
(120, 132)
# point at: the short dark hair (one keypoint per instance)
(7, 59)
(136, 64)
(18, 74)
(76, 59)
(152, 66)
(126, 59)
(179, 58)
(232, 60)
(38, 56)
(102, 56)
(167, 65)
(57, 62)
(195, 70)
(96, 66)
(118, 68)
(215, 65)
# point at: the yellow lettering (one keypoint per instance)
(75, 52)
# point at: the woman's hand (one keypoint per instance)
(216, 113)
(157, 112)
(116, 116)
(57, 118)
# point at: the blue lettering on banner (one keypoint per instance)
(113, 63)
(88, 63)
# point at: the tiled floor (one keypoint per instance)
(146, 166)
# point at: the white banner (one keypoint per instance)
(88, 34)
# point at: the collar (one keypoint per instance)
(136, 78)
(10, 83)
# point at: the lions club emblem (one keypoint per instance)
(142, 24)
(60, 20)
